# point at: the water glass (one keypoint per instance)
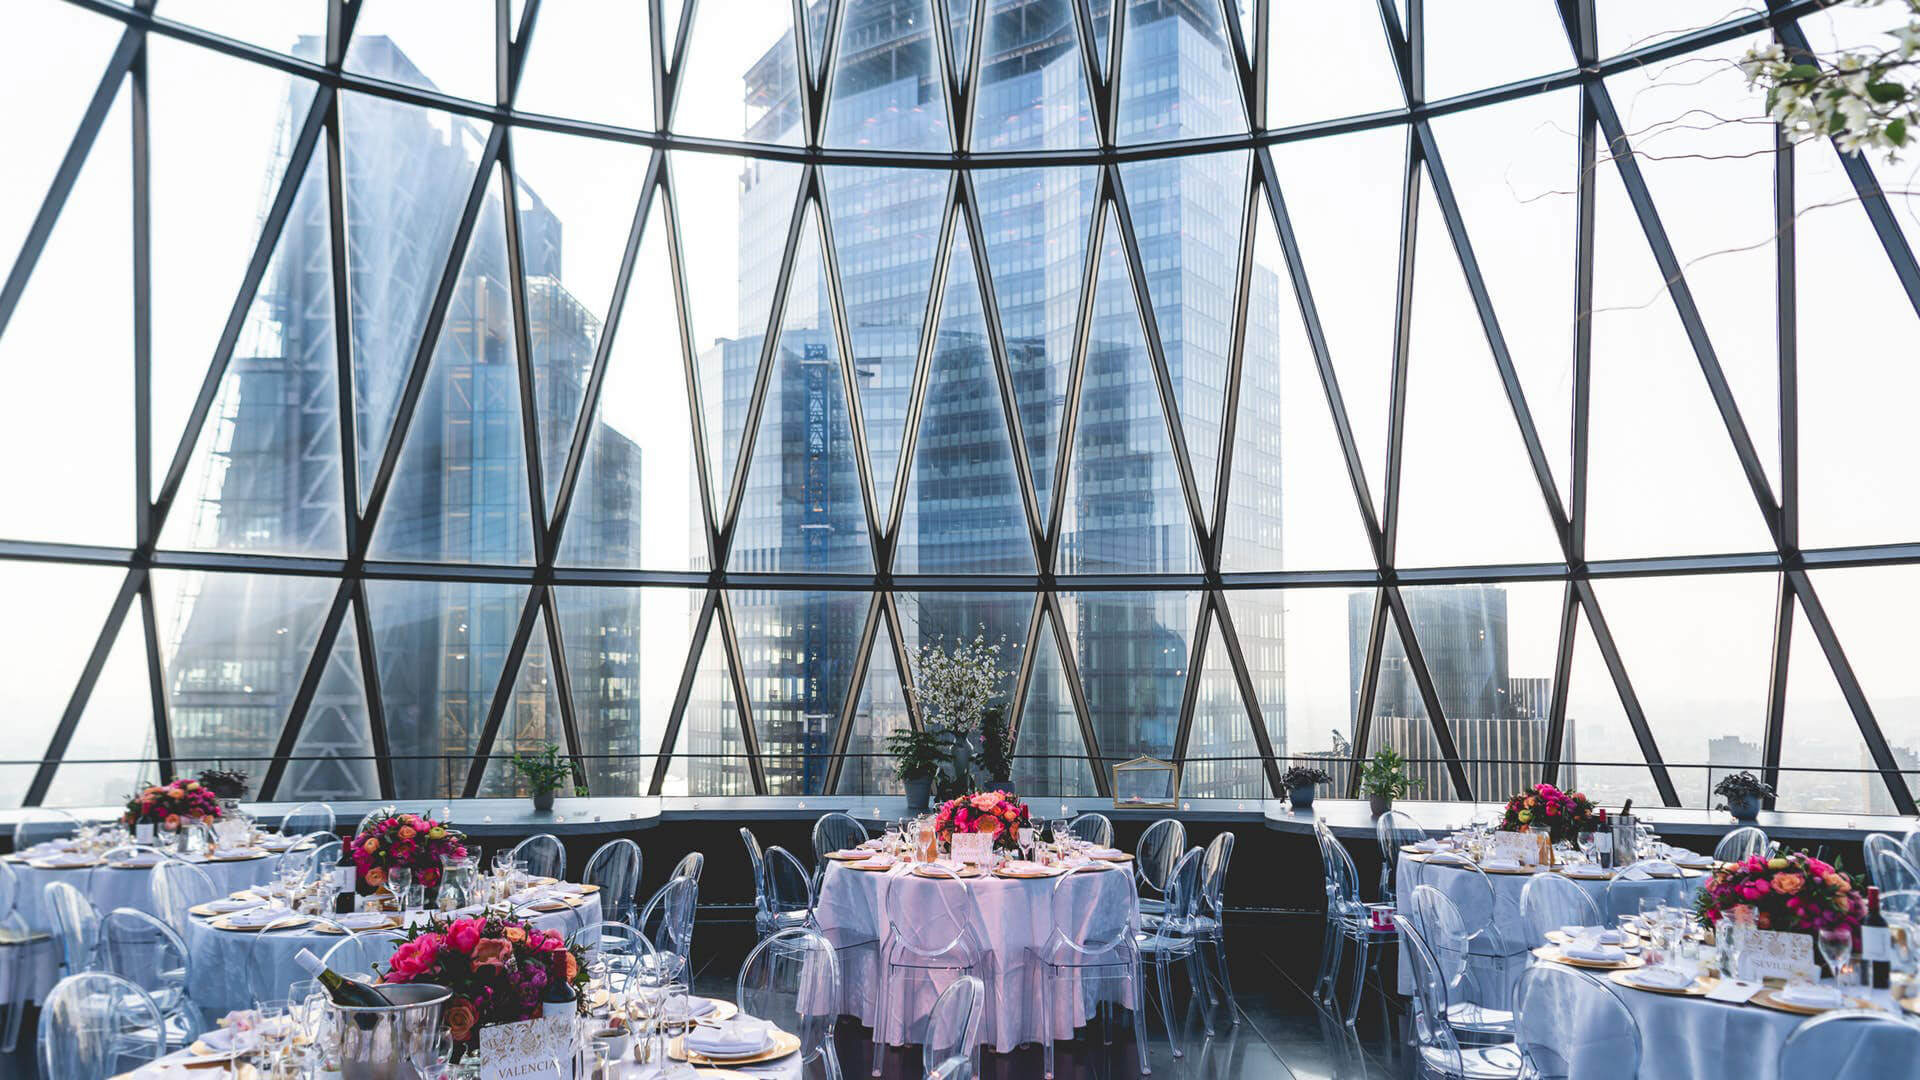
(1836, 948)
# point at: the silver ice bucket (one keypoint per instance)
(376, 1043)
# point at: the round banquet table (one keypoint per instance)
(32, 969)
(1462, 887)
(221, 963)
(1011, 917)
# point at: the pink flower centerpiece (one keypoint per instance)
(182, 802)
(495, 967)
(1562, 816)
(1786, 892)
(994, 812)
(414, 841)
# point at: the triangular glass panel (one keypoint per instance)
(531, 721)
(1036, 223)
(208, 192)
(886, 234)
(440, 647)
(298, 26)
(742, 79)
(460, 488)
(265, 472)
(1132, 651)
(1002, 618)
(1819, 731)
(111, 754)
(235, 647)
(708, 757)
(61, 81)
(671, 12)
(1101, 12)
(879, 711)
(1663, 477)
(576, 201)
(85, 470)
(1290, 503)
(589, 60)
(1855, 430)
(1124, 510)
(1625, 27)
(41, 658)
(1223, 760)
(333, 756)
(1343, 198)
(1192, 253)
(963, 510)
(1040, 102)
(639, 465)
(803, 510)
(408, 174)
(1512, 168)
(1336, 63)
(1867, 606)
(1463, 446)
(796, 651)
(1700, 649)
(1049, 756)
(1178, 78)
(1462, 56)
(887, 88)
(1306, 650)
(444, 45)
(959, 18)
(1400, 717)
(625, 652)
(1598, 730)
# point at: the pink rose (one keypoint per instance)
(492, 952)
(464, 934)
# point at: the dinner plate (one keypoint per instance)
(967, 871)
(329, 928)
(206, 912)
(1698, 988)
(849, 856)
(1122, 857)
(248, 857)
(1766, 998)
(722, 1010)
(1522, 870)
(1029, 875)
(290, 922)
(1553, 953)
(1561, 937)
(38, 864)
(784, 1043)
(872, 869)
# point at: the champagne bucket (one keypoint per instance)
(375, 1042)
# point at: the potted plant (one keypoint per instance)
(225, 783)
(916, 759)
(996, 749)
(1384, 778)
(545, 772)
(1743, 792)
(1300, 781)
(953, 690)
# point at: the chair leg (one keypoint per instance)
(1202, 994)
(1139, 986)
(1226, 984)
(1336, 947)
(1166, 1003)
(1359, 980)
(880, 1019)
(1046, 1021)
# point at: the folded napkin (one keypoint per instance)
(1651, 868)
(1430, 845)
(1586, 950)
(1447, 858)
(529, 896)
(234, 852)
(1024, 866)
(260, 916)
(1586, 870)
(1104, 852)
(849, 853)
(1666, 978)
(363, 920)
(1500, 864)
(1603, 935)
(874, 844)
(1692, 858)
(139, 859)
(877, 861)
(1811, 997)
(236, 904)
(737, 1037)
(229, 1040)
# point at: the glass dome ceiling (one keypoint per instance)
(393, 385)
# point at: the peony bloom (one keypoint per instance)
(461, 1018)
(464, 934)
(492, 952)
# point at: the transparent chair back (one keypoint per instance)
(1851, 1045)
(116, 863)
(1740, 843)
(1890, 869)
(308, 817)
(1434, 1044)
(757, 863)
(1449, 940)
(1551, 902)
(953, 1028)
(692, 865)
(1570, 1024)
(1085, 935)
(1392, 830)
(1159, 847)
(362, 955)
(1472, 893)
(1343, 880)
(175, 887)
(1624, 893)
(323, 858)
(615, 867)
(543, 854)
(1213, 876)
(619, 952)
(793, 979)
(788, 885)
(42, 826)
(1912, 843)
(142, 949)
(76, 925)
(1093, 828)
(836, 832)
(1183, 892)
(667, 921)
(931, 920)
(95, 1025)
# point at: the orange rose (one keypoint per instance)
(370, 845)
(406, 832)
(515, 934)
(172, 823)
(570, 964)
(461, 1017)
(1788, 884)
(377, 877)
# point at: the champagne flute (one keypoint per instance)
(1836, 948)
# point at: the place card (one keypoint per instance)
(1778, 954)
(529, 1050)
(1733, 991)
(1522, 848)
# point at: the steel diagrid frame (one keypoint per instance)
(689, 669)
(1190, 693)
(850, 703)
(1023, 678)
(879, 547)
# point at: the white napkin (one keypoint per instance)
(139, 859)
(230, 1040)
(362, 920)
(874, 844)
(1811, 997)
(1023, 866)
(849, 853)
(947, 864)
(1587, 870)
(279, 843)
(1651, 868)
(1104, 852)
(1447, 858)
(260, 916)
(224, 906)
(737, 1037)
(567, 888)
(1499, 864)
(234, 852)
(1430, 845)
(1666, 978)
(879, 861)
(1587, 950)
(1603, 935)
(529, 896)
(67, 858)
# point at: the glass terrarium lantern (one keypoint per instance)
(1146, 782)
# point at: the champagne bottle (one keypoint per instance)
(343, 990)
(1876, 942)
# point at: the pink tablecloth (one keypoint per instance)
(1012, 918)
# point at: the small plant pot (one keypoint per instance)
(1379, 804)
(543, 801)
(1744, 807)
(919, 791)
(1302, 796)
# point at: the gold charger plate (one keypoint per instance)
(1552, 953)
(42, 865)
(843, 856)
(329, 928)
(872, 869)
(1912, 1005)
(1698, 988)
(721, 1074)
(261, 854)
(1561, 937)
(291, 922)
(1120, 858)
(205, 912)
(1766, 999)
(1028, 875)
(784, 1043)
(134, 865)
(967, 871)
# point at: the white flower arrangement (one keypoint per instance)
(954, 688)
(1863, 98)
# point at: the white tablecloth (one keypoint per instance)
(220, 963)
(1013, 917)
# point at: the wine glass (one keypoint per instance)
(430, 1050)
(1836, 948)
(399, 880)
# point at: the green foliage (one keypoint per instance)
(545, 770)
(1385, 774)
(916, 754)
(1304, 776)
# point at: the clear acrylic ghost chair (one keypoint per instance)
(1851, 1044)
(1489, 917)
(667, 921)
(1624, 894)
(18, 944)
(692, 865)
(954, 1068)
(356, 954)
(763, 921)
(1093, 828)
(544, 855)
(317, 860)
(1210, 920)
(42, 825)
(793, 979)
(308, 817)
(95, 1025)
(1171, 938)
(1572, 1024)
(76, 926)
(174, 887)
(1437, 1053)
(1393, 830)
(1740, 843)
(1472, 1010)
(1551, 902)
(929, 929)
(1897, 879)
(1085, 946)
(118, 864)
(615, 867)
(619, 951)
(1349, 921)
(953, 1028)
(142, 949)
(835, 832)
(789, 889)
(1911, 842)
(1160, 846)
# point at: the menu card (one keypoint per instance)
(540, 1049)
(1778, 954)
(1521, 847)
